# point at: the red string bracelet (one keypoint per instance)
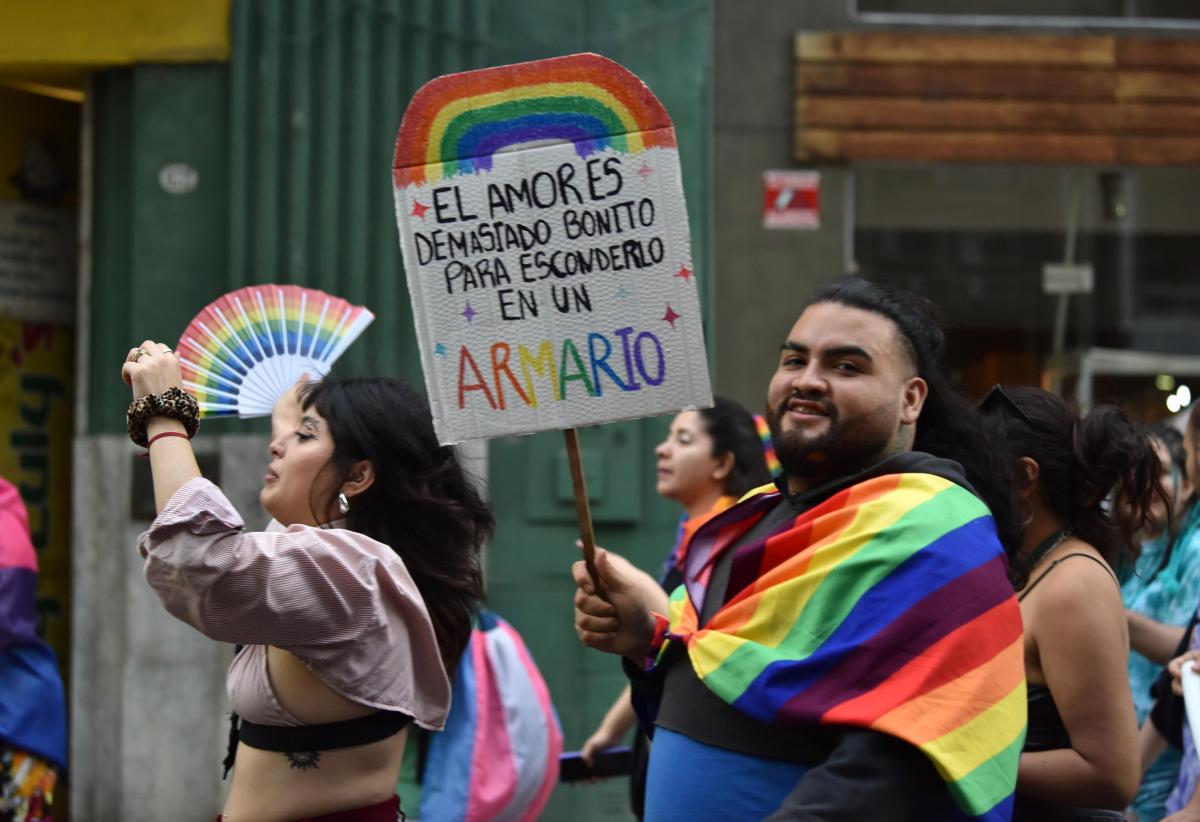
(160, 436)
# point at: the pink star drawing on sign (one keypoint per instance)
(419, 210)
(469, 312)
(645, 171)
(670, 316)
(684, 272)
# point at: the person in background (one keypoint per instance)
(1155, 594)
(846, 645)
(1167, 724)
(1080, 753)
(1169, 719)
(33, 711)
(1155, 538)
(350, 613)
(709, 459)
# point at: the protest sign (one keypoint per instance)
(545, 241)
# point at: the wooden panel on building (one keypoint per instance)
(940, 49)
(963, 81)
(1157, 85)
(916, 114)
(1138, 51)
(817, 145)
(996, 98)
(1158, 151)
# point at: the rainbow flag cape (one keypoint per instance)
(886, 607)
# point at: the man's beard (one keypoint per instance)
(844, 447)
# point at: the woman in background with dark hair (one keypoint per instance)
(709, 459)
(351, 612)
(1168, 751)
(1080, 752)
(1165, 513)
(1161, 594)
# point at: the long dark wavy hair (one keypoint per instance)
(421, 504)
(1082, 462)
(732, 431)
(948, 426)
(1172, 442)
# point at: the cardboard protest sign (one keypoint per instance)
(545, 240)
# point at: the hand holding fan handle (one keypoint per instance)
(582, 510)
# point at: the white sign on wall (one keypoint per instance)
(37, 263)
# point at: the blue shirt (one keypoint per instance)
(689, 781)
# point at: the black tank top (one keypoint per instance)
(1048, 733)
(1046, 729)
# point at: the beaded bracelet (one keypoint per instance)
(174, 403)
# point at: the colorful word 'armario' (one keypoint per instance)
(596, 364)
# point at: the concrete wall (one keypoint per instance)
(148, 706)
(762, 276)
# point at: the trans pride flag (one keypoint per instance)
(497, 759)
(886, 607)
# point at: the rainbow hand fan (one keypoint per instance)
(243, 351)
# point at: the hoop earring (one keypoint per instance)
(1024, 504)
(343, 503)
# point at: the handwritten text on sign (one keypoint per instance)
(554, 290)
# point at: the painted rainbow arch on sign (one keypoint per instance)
(457, 123)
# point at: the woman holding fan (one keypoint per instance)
(350, 613)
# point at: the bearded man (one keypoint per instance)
(846, 644)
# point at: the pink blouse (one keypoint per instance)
(341, 602)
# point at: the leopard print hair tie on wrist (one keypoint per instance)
(174, 403)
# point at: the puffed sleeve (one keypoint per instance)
(279, 587)
(340, 601)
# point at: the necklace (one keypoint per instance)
(1046, 546)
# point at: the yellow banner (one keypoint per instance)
(36, 413)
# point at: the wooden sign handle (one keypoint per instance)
(582, 510)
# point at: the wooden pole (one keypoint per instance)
(582, 510)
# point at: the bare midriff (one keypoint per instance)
(269, 786)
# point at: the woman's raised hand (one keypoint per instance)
(151, 368)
